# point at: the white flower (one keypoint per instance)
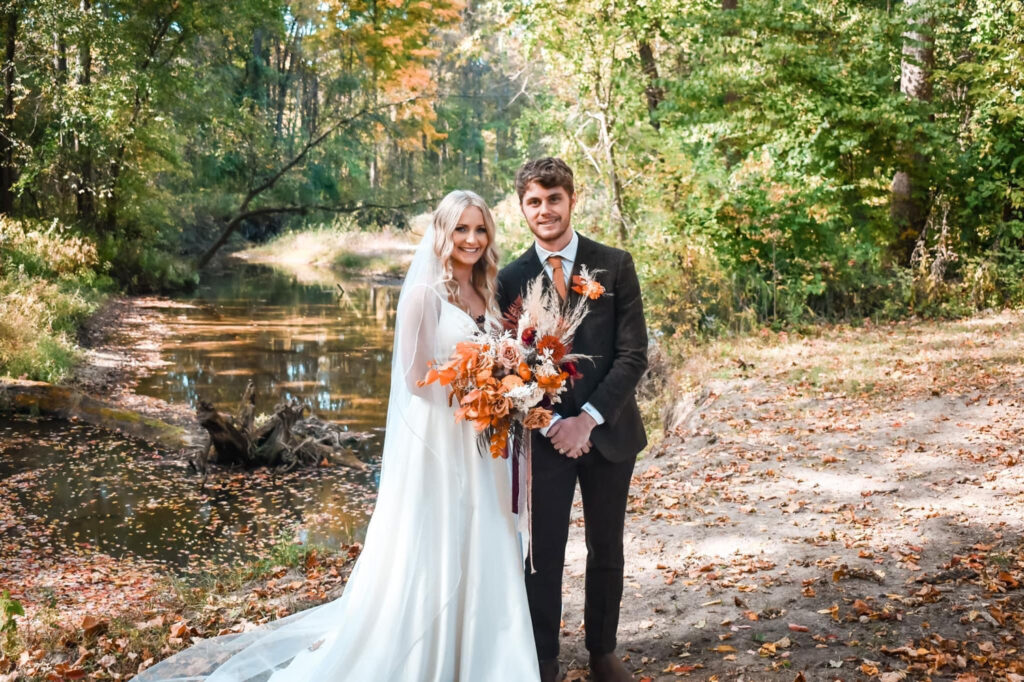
(526, 396)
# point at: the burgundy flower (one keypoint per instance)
(572, 370)
(529, 336)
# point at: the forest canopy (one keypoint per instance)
(766, 161)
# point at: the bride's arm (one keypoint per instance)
(416, 337)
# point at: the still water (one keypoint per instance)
(73, 488)
(326, 342)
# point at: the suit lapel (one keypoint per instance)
(530, 267)
(525, 268)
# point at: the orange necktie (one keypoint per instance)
(557, 277)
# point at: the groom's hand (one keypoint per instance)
(571, 435)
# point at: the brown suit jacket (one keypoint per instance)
(613, 333)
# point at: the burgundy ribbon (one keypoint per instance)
(522, 447)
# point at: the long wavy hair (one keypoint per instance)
(485, 271)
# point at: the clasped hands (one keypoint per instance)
(571, 435)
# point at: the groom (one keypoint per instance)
(597, 431)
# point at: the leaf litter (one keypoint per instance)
(848, 506)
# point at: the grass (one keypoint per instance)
(341, 246)
(50, 281)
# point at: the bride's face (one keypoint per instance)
(469, 238)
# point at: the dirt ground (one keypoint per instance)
(845, 505)
(841, 506)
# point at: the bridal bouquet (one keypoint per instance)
(511, 375)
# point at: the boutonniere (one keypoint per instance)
(584, 284)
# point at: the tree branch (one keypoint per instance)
(324, 208)
(312, 142)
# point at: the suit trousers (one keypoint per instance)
(604, 486)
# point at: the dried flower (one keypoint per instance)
(552, 382)
(585, 284)
(510, 382)
(508, 354)
(550, 342)
(537, 418)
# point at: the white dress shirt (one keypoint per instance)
(568, 256)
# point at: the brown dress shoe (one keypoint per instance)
(608, 668)
(549, 670)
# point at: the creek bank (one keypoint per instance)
(841, 505)
(67, 402)
(332, 256)
(120, 343)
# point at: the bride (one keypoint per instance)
(438, 593)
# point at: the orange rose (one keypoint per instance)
(500, 406)
(510, 382)
(537, 418)
(524, 372)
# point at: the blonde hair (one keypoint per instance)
(485, 271)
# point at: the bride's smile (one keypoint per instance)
(469, 238)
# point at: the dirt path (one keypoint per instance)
(845, 506)
(121, 344)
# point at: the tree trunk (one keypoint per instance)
(909, 200)
(616, 214)
(286, 70)
(286, 440)
(84, 198)
(653, 91)
(117, 164)
(60, 58)
(730, 95)
(7, 173)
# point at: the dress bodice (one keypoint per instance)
(455, 325)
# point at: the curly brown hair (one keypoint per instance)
(548, 172)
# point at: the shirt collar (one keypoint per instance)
(568, 252)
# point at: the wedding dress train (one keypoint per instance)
(437, 594)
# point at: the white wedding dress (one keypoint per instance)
(437, 594)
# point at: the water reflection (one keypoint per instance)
(68, 487)
(327, 344)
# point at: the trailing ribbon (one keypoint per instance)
(522, 483)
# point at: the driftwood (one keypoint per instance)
(285, 441)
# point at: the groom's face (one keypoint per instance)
(548, 211)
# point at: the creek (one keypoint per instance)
(68, 487)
